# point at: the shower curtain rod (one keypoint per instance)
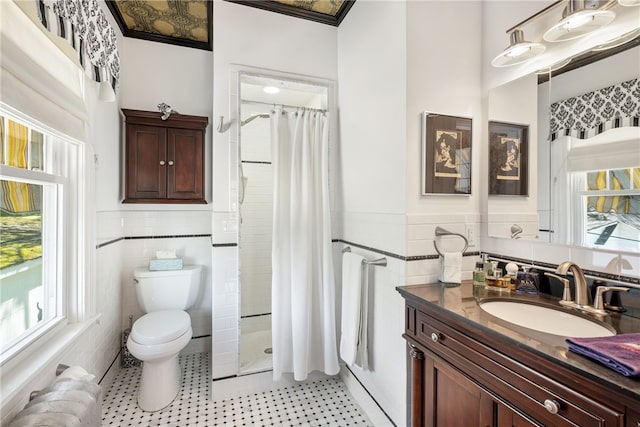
(274, 104)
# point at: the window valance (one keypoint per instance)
(84, 25)
(595, 112)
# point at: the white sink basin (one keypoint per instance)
(545, 319)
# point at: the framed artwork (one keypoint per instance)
(446, 154)
(508, 159)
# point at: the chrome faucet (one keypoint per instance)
(582, 295)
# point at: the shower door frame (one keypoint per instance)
(237, 72)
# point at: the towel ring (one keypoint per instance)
(442, 232)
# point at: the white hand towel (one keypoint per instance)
(362, 351)
(451, 267)
(352, 272)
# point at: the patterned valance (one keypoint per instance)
(595, 112)
(84, 25)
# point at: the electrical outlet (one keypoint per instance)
(470, 234)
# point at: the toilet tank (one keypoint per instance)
(167, 290)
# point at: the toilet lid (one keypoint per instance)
(160, 326)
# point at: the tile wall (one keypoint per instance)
(256, 213)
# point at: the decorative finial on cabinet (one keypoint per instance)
(165, 110)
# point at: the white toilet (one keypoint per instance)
(157, 337)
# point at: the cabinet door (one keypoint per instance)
(185, 171)
(633, 417)
(146, 162)
(451, 399)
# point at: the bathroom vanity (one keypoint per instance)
(466, 367)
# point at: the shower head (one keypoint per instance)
(253, 117)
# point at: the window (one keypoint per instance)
(610, 208)
(38, 204)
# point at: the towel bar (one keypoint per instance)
(380, 261)
(442, 232)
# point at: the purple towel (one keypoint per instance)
(619, 352)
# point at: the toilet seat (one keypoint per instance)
(160, 327)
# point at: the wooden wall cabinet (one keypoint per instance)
(164, 159)
(461, 376)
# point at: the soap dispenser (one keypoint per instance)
(479, 275)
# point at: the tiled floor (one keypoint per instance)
(319, 403)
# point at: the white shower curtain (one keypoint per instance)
(303, 287)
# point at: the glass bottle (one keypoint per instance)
(478, 275)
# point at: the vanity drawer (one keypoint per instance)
(536, 395)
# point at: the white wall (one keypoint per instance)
(443, 76)
(257, 214)
(299, 47)
(373, 93)
(372, 66)
(421, 56)
(152, 73)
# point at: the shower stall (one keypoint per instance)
(258, 97)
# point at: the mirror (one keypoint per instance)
(515, 97)
(596, 202)
(589, 195)
(513, 122)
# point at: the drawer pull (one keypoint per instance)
(161, 162)
(435, 337)
(170, 162)
(552, 406)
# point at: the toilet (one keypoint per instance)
(157, 337)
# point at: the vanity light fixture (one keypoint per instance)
(519, 50)
(618, 41)
(554, 67)
(578, 21)
(270, 90)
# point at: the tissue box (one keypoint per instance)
(166, 264)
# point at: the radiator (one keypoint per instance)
(73, 399)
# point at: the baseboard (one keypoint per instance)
(197, 345)
(361, 395)
(109, 376)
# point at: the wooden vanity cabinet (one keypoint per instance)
(164, 159)
(459, 375)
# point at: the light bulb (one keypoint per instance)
(271, 89)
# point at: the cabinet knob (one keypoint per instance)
(161, 162)
(170, 162)
(435, 337)
(552, 406)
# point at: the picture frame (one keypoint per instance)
(446, 154)
(508, 159)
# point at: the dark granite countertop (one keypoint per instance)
(464, 301)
